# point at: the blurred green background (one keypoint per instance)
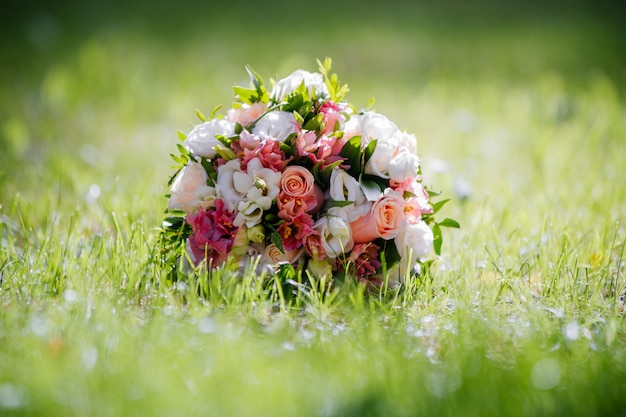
(91, 90)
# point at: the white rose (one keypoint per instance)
(370, 126)
(225, 186)
(351, 212)
(415, 240)
(335, 235)
(202, 139)
(276, 125)
(312, 81)
(189, 189)
(403, 166)
(394, 158)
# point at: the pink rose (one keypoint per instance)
(246, 114)
(385, 219)
(306, 142)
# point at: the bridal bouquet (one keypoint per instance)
(297, 175)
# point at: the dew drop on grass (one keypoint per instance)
(40, 325)
(11, 397)
(89, 154)
(572, 330)
(93, 193)
(70, 296)
(207, 325)
(546, 374)
(89, 357)
(441, 384)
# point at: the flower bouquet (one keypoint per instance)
(297, 175)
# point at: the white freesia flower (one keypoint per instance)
(336, 235)
(312, 81)
(249, 212)
(415, 240)
(225, 184)
(344, 187)
(259, 187)
(189, 190)
(370, 126)
(259, 184)
(276, 125)
(202, 139)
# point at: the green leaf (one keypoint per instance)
(353, 152)
(390, 252)
(298, 117)
(323, 175)
(257, 81)
(334, 203)
(438, 239)
(215, 110)
(438, 205)
(181, 135)
(447, 222)
(370, 104)
(276, 239)
(201, 116)
(286, 272)
(245, 94)
(314, 122)
(369, 151)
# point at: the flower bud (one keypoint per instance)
(256, 233)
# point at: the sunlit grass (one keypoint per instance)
(522, 125)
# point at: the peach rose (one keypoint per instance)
(385, 219)
(298, 183)
(273, 256)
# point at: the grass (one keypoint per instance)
(523, 314)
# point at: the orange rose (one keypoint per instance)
(385, 219)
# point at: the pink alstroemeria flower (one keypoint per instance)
(270, 155)
(212, 234)
(332, 117)
(313, 245)
(295, 231)
(364, 259)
